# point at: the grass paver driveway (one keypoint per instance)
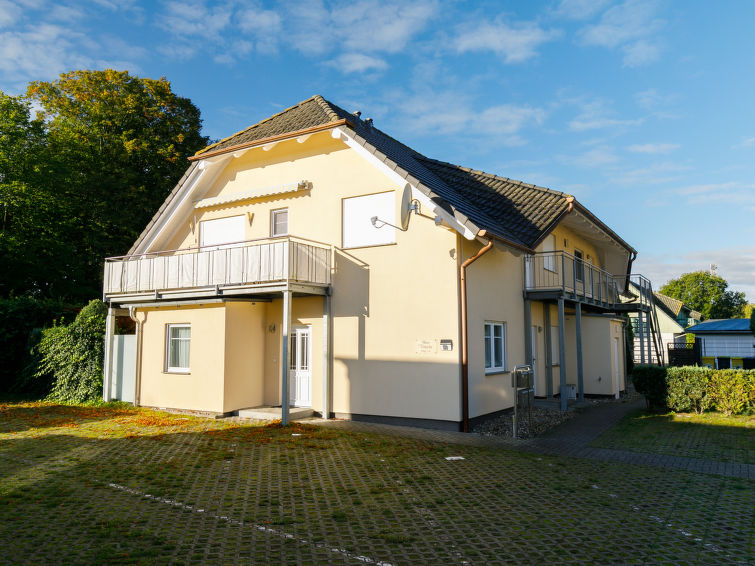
(118, 485)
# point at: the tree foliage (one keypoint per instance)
(707, 294)
(79, 182)
(71, 356)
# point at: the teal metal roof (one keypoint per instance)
(722, 326)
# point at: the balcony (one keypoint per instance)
(559, 274)
(251, 267)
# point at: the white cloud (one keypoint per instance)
(595, 158)
(193, 18)
(358, 63)
(651, 99)
(514, 43)
(10, 13)
(453, 113)
(264, 25)
(595, 115)
(653, 148)
(631, 26)
(731, 193)
(579, 9)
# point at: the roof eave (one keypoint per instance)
(271, 139)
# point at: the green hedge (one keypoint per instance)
(71, 356)
(688, 389)
(691, 388)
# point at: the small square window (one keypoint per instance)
(177, 349)
(495, 347)
(279, 222)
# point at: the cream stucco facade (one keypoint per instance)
(384, 335)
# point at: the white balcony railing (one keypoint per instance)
(250, 263)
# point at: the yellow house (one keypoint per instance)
(311, 260)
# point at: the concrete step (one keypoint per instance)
(274, 413)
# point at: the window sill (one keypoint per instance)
(497, 372)
(177, 372)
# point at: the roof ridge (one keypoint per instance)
(316, 97)
(498, 177)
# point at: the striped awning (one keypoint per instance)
(253, 194)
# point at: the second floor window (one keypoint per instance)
(579, 265)
(279, 222)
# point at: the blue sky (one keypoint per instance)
(641, 109)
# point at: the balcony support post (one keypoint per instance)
(548, 351)
(285, 355)
(326, 333)
(580, 384)
(641, 331)
(562, 353)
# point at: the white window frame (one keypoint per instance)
(490, 366)
(273, 213)
(168, 345)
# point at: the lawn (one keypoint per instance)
(118, 485)
(710, 436)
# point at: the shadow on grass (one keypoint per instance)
(707, 436)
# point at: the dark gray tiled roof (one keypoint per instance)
(515, 211)
(312, 112)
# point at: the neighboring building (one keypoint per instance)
(313, 260)
(676, 311)
(726, 343)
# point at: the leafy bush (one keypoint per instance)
(650, 381)
(19, 317)
(72, 356)
(688, 388)
(733, 391)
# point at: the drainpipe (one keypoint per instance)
(139, 329)
(464, 335)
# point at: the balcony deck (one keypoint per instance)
(554, 275)
(253, 267)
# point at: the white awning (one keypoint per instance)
(253, 194)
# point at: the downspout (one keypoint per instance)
(464, 334)
(139, 329)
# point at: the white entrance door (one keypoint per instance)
(534, 360)
(301, 366)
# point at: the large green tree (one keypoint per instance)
(113, 145)
(34, 240)
(707, 294)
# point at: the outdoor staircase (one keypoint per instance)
(648, 346)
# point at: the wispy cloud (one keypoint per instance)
(730, 193)
(579, 9)
(653, 148)
(451, 113)
(358, 63)
(515, 43)
(596, 114)
(10, 13)
(632, 27)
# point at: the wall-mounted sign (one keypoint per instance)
(427, 346)
(446, 345)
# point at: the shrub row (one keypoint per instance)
(693, 388)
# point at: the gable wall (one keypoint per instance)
(392, 304)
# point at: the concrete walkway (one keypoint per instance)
(572, 438)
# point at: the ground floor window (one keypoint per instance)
(495, 346)
(178, 337)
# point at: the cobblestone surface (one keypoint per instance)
(139, 487)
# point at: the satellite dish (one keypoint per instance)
(406, 204)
